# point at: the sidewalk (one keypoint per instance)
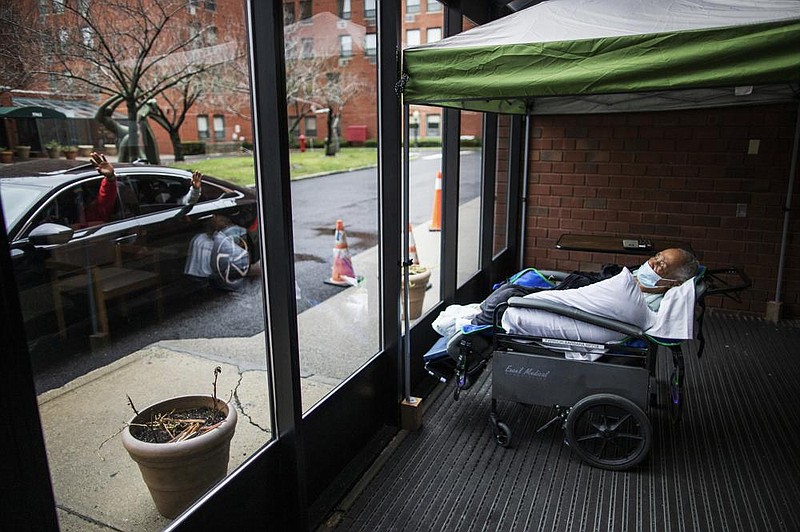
(98, 487)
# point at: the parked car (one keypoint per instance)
(74, 279)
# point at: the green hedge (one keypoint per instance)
(193, 147)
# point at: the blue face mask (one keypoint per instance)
(646, 276)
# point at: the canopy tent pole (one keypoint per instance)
(406, 262)
(524, 194)
(787, 209)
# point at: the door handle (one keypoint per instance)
(126, 238)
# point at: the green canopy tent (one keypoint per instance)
(601, 56)
(579, 56)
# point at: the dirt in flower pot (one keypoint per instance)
(178, 425)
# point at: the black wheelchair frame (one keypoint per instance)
(602, 405)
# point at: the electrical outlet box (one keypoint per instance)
(752, 147)
(741, 210)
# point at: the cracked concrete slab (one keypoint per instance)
(95, 482)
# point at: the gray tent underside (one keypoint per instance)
(664, 100)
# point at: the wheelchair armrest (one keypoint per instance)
(580, 315)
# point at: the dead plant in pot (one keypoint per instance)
(182, 447)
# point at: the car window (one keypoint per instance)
(211, 192)
(158, 192)
(79, 206)
(18, 199)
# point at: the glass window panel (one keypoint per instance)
(288, 13)
(332, 95)
(412, 6)
(370, 45)
(311, 126)
(143, 285)
(434, 34)
(412, 37)
(345, 45)
(433, 125)
(202, 127)
(344, 9)
(433, 6)
(219, 127)
(369, 9)
(469, 196)
(306, 9)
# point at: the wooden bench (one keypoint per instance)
(104, 281)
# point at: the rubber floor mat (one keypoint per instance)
(731, 464)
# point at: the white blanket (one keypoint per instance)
(619, 298)
(675, 316)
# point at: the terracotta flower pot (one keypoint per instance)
(417, 284)
(177, 474)
(6, 157)
(23, 152)
(71, 154)
(85, 150)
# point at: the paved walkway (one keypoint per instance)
(98, 487)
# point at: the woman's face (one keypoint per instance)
(665, 262)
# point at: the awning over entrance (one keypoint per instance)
(30, 112)
(69, 108)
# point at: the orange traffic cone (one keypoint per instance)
(412, 246)
(342, 273)
(436, 217)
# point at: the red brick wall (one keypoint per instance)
(678, 175)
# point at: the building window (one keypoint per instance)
(369, 9)
(432, 126)
(44, 7)
(310, 126)
(219, 127)
(202, 127)
(288, 13)
(412, 38)
(87, 36)
(194, 35)
(308, 48)
(433, 35)
(344, 9)
(211, 5)
(370, 45)
(306, 9)
(345, 46)
(63, 37)
(58, 6)
(434, 6)
(83, 7)
(412, 6)
(211, 36)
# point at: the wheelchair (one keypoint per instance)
(601, 393)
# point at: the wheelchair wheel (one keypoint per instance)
(502, 432)
(609, 431)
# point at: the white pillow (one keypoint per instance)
(618, 297)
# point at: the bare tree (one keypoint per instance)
(135, 49)
(211, 85)
(317, 77)
(20, 44)
(337, 91)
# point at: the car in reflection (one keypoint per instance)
(74, 278)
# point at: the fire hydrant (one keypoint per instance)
(302, 139)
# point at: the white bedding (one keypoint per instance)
(618, 297)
